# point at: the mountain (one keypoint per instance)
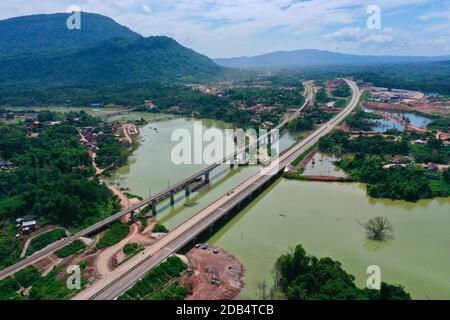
(309, 57)
(103, 52)
(48, 34)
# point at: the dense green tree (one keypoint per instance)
(304, 277)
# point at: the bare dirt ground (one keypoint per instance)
(384, 106)
(214, 276)
(438, 108)
(433, 108)
(110, 257)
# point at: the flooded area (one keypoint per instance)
(381, 125)
(323, 165)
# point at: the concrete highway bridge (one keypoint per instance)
(153, 199)
(130, 272)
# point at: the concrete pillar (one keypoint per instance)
(132, 216)
(207, 177)
(172, 198)
(154, 208)
(187, 189)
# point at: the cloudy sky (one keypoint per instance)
(226, 28)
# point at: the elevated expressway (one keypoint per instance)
(134, 269)
(152, 200)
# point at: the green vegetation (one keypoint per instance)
(159, 228)
(409, 182)
(360, 121)
(338, 142)
(271, 96)
(8, 289)
(55, 161)
(305, 277)
(396, 183)
(115, 234)
(322, 97)
(425, 77)
(342, 91)
(130, 248)
(154, 285)
(174, 292)
(9, 245)
(131, 196)
(433, 151)
(44, 239)
(71, 249)
(310, 118)
(302, 156)
(52, 183)
(50, 287)
(440, 123)
(111, 152)
(48, 37)
(26, 277)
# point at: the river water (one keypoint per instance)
(323, 217)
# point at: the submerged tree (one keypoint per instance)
(379, 229)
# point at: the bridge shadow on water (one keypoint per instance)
(225, 219)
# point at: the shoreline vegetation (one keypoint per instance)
(299, 276)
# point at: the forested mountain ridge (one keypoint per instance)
(312, 57)
(112, 61)
(47, 34)
(42, 50)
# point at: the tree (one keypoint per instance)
(446, 176)
(262, 287)
(304, 277)
(379, 229)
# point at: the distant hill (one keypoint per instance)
(41, 50)
(48, 34)
(309, 57)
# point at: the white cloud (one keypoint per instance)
(146, 8)
(231, 27)
(362, 35)
(435, 15)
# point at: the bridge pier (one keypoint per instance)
(154, 208)
(172, 198)
(207, 177)
(132, 217)
(187, 190)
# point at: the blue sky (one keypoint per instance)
(226, 28)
